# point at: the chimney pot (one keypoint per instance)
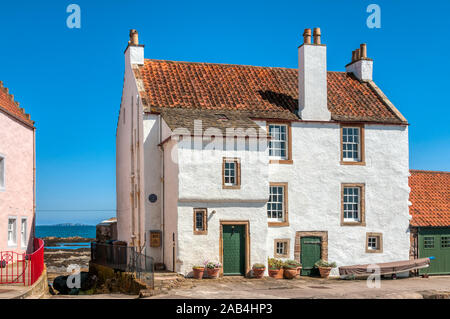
(316, 35)
(363, 50)
(134, 37)
(307, 36)
(357, 54)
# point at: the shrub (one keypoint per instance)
(291, 264)
(323, 263)
(275, 263)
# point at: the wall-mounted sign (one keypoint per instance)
(155, 238)
(152, 198)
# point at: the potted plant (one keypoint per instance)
(275, 270)
(325, 267)
(293, 264)
(213, 269)
(258, 270)
(198, 271)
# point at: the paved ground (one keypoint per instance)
(306, 288)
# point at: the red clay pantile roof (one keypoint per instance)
(171, 84)
(11, 107)
(430, 198)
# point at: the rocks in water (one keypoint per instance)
(87, 282)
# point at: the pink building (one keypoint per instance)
(17, 176)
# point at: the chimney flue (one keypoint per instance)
(316, 35)
(307, 36)
(363, 51)
(134, 38)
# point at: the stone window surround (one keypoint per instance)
(205, 221)
(2, 172)
(12, 245)
(379, 242)
(23, 241)
(238, 172)
(362, 210)
(285, 206)
(324, 243)
(288, 160)
(362, 155)
(287, 253)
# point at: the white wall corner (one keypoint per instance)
(362, 69)
(135, 54)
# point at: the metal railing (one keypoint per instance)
(124, 258)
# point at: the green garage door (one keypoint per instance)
(435, 242)
(233, 249)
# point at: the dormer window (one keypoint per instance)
(352, 144)
(280, 143)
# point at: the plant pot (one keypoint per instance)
(213, 272)
(299, 271)
(258, 272)
(198, 273)
(324, 271)
(276, 273)
(290, 273)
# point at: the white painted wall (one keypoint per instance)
(362, 69)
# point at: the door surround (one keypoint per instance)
(323, 238)
(246, 223)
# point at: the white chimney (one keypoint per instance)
(312, 78)
(134, 54)
(361, 66)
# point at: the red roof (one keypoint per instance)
(430, 198)
(11, 107)
(172, 84)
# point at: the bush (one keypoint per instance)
(275, 263)
(259, 266)
(323, 263)
(291, 264)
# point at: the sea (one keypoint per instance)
(65, 230)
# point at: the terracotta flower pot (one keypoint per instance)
(299, 271)
(213, 272)
(198, 273)
(258, 272)
(290, 273)
(276, 273)
(324, 271)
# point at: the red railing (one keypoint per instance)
(17, 268)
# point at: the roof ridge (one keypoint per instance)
(231, 64)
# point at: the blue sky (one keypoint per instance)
(70, 80)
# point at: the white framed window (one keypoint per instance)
(351, 144)
(352, 197)
(278, 143)
(200, 221)
(12, 231)
(372, 243)
(281, 248)
(230, 173)
(2, 172)
(23, 232)
(275, 205)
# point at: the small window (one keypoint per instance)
(12, 231)
(277, 204)
(352, 144)
(428, 242)
(231, 173)
(281, 247)
(445, 242)
(2, 172)
(200, 221)
(352, 197)
(374, 243)
(23, 233)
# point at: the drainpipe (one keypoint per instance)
(161, 147)
(33, 225)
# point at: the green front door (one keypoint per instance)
(435, 242)
(233, 249)
(310, 253)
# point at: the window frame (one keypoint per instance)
(426, 244)
(24, 239)
(379, 248)
(287, 243)
(445, 239)
(362, 159)
(12, 244)
(237, 178)
(2, 172)
(204, 211)
(362, 217)
(274, 159)
(285, 221)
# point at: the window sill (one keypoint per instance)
(201, 232)
(343, 223)
(278, 224)
(374, 251)
(362, 163)
(274, 161)
(231, 186)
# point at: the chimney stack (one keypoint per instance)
(361, 66)
(134, 54)
(312, 78)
